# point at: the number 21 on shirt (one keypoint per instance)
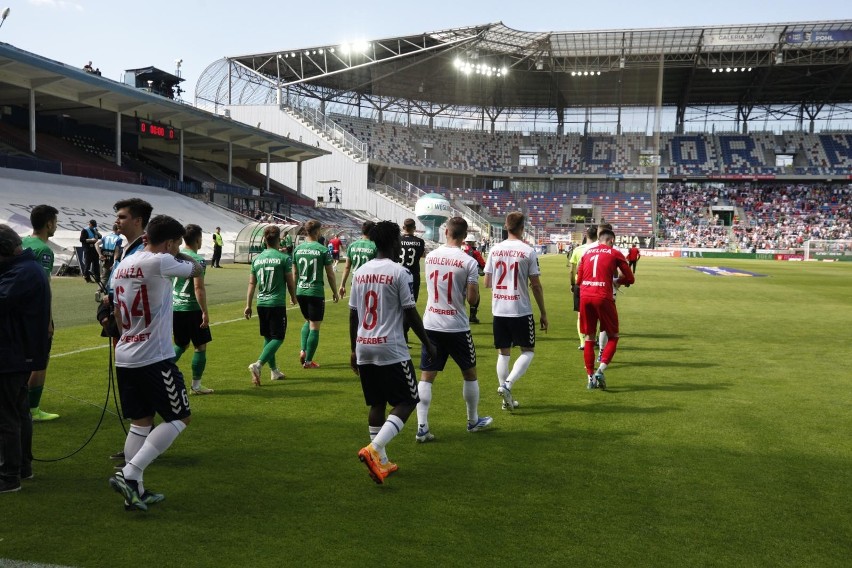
(502, 268)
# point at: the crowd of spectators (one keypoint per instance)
(777, 216)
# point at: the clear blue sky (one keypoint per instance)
(117, 34)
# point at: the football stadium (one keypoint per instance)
(723, 154)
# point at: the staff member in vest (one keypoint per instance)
(107, 247)
(90, 267)
(217, 248)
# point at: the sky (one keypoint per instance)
(117, 34)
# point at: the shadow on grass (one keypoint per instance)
(591, 409)
(674, 387)
(653, 335)
(674, 363)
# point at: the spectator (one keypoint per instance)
(25, 307)
(91, 267)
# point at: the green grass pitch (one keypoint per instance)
(724, 440)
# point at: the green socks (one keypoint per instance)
(305, 331)
(313, 342)
(178, 352)
(199, 361)
(268, 353)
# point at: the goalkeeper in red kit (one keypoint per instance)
(597, 276)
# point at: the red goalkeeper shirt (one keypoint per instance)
(598, 267)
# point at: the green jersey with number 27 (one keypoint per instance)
(360, 252)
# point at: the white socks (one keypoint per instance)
(135, 440)
(522, 363)
(503, 368)
(392, 426)
(424, 389)
(374, 430)
(157, 442)
(602, 340)
(470, 392)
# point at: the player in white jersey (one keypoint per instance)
(510, 265)
(380, 298)
(452, 276)
(148, 380)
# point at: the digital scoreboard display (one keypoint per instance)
(154, 130)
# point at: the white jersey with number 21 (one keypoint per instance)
(510, 265)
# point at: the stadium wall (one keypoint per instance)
(81, 199)
(349, 175)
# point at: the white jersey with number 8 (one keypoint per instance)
(381, 291)
(142, 291)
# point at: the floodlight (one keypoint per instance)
(345, 48)
(331, 49)
(727, 69)
(361, 47)
(293, 54)
(4, 15)
(586, 73)
(599, 72)
(321, 51)
(505, 70)
(749, 68)
(573, 73)
(713, 70)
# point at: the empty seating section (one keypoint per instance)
(682, 155)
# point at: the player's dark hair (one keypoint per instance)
(138, 208)
(272, 236)
(409, 224)
(312, 227)
(9, 240)
(515, 223)
(606, 233)
(386, 235)
(41, 215)
(367, 227)
(193, 233)
(457, 227)
(604, 226)
(592, 232)
(163, 228)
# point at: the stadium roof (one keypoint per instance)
(91, 99)
(494, 66)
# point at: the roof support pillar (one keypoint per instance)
(32, 122)
(180, 156)
(268, 167)
(299, 178)
(118, 139)
(230, 161)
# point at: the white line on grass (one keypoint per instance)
(107, 344)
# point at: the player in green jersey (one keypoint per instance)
(44, 220)
(310, 259)
(191, 321)
(272, 277)
(358, 253)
